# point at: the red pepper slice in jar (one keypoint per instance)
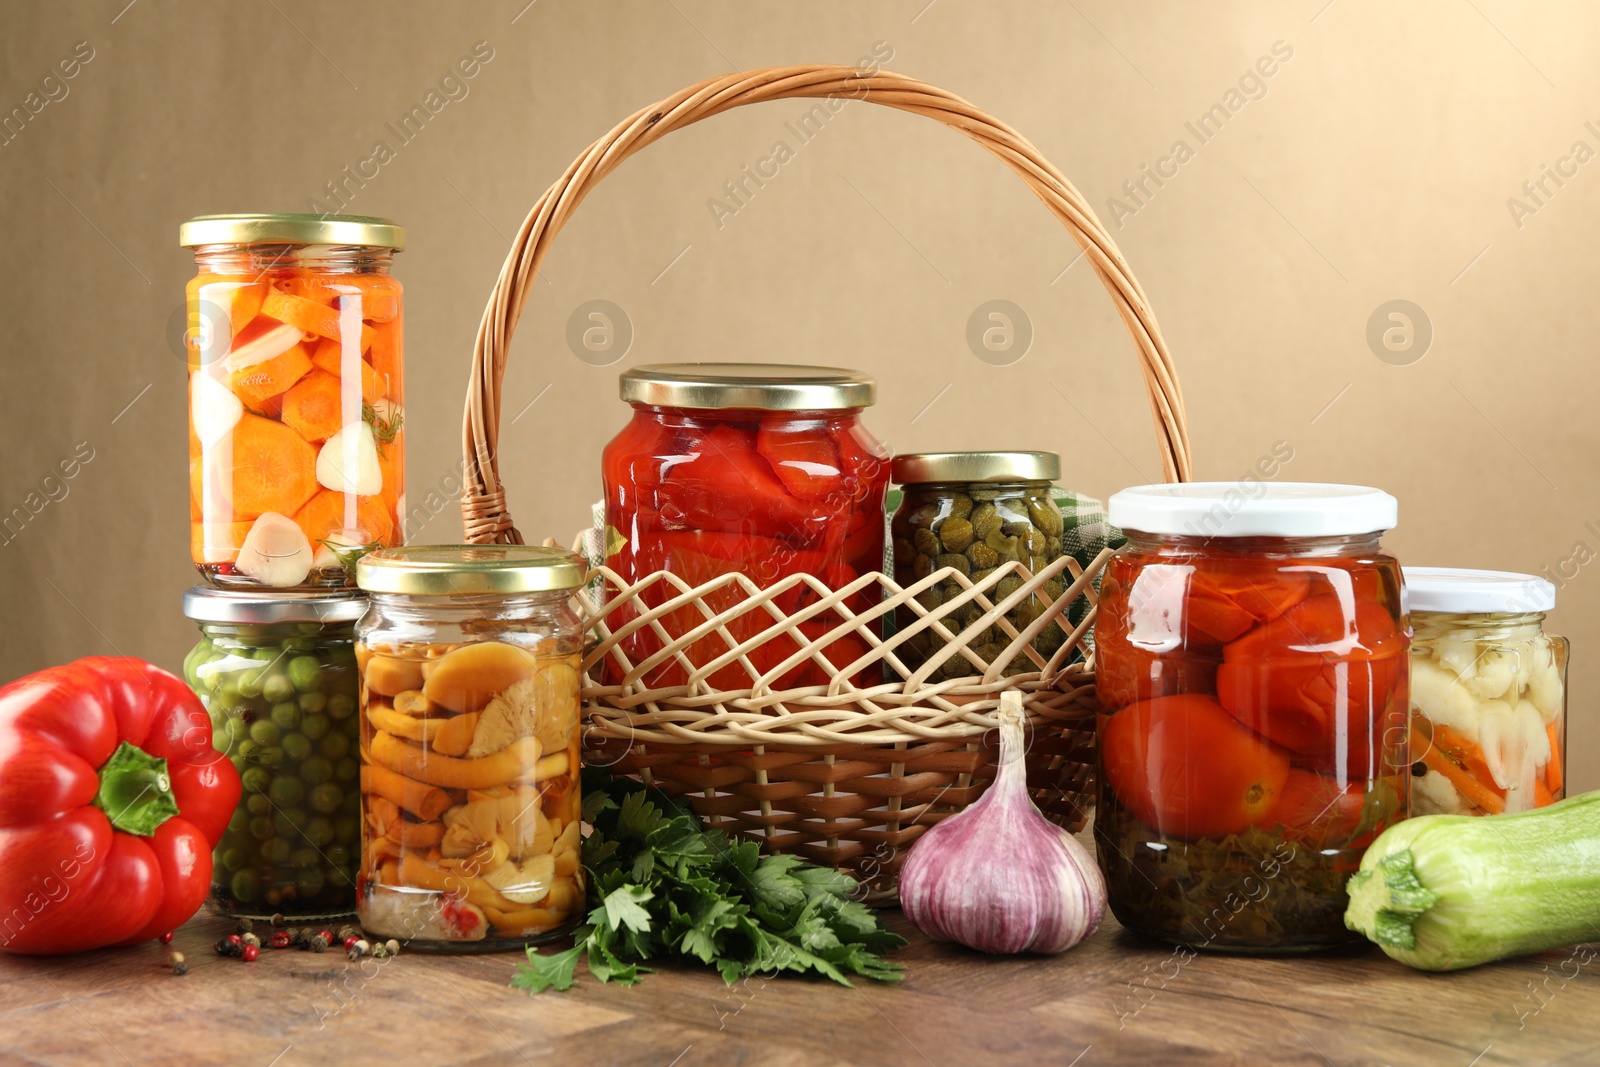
(804, 457)
(726, 485)
(1183, 766)
(1315, 679)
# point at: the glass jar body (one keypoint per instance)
(977, 527)
(282, 701)
(1252, 733)
(471, 806)
(767, 494)
(296, 423)
(1489, 713)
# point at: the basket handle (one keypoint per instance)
(483, 502)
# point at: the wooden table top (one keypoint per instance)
(1115, 999)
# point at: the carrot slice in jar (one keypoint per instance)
(315, 407)
(274, 468)
(301, 313)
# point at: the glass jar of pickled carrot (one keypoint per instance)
(296, 425)
(1252, 650)
(760, 469)
(1488, 693)
(469, 706)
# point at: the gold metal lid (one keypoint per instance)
(469, 570)
(289, 228)
(919, 467)
(755, 386)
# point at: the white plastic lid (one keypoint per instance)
(1260, 509)
(1459, 591)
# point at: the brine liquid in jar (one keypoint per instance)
(1252, 659)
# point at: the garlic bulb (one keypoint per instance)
(999, 877)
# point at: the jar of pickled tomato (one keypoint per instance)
(1488, 693)
(759, 469)
(277, 674)
(296, 425)
(470, 796)
(1252, 650)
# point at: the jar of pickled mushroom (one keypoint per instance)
(760, 469)
(979, 512)
(1252, 650)
(296, 429)
(277, 673)
(1488, 693)
(470, 800)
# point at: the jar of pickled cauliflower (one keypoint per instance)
(470, 800)
(296, 424)
(1488, 693)
(277, 673)
(1252, 651)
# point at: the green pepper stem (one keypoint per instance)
(135, 791)
(1386, 902)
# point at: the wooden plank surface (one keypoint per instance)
(1113, 1000)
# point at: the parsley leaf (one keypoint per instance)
(662, 886)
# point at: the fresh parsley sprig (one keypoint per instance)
(662, 887)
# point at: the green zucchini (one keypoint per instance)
(1443, 892)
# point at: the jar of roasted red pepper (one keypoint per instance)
(759, 469)
(296, 438)
(1252, 650)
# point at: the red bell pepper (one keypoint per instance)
(111, 798)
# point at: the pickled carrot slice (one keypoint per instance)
(384, 354)
(217, 542)
(328, 357)
(1552, 770)
(363, 521)
(274, 468)
(301, 313)
(315, 406)
(1475, 792)
(259, 383)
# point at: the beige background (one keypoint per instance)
(1375, 164)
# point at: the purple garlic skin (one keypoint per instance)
(999, 877)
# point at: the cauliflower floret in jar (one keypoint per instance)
(1432, 794)
(1440, 696)
(1495, 674)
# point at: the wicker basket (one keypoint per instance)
(842, 775)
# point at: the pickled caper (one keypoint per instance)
(315, 727)
(334, 746)
(246, 886)
(256, 780)
(256, 804)
(286, 714)
(265, 732)
(341, 706)
(311, 703)
(314, 770)
(319, 831)
(275, 851)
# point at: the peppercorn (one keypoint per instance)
(349, 941)
(251, 940)
(234, 939)
(166, 938)
(280, 939)
(353, 953)
(346, 932)
(250, 952)
(245, 926)
(379, 951)
(278, 919)
(227, 948)
(319, 945)
(393, 946)
(179, 966)
(362, 947)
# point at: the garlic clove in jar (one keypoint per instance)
(348, 462)
(999, 877)
(275, 552)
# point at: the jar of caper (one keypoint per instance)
(277, 673)
(977, 512)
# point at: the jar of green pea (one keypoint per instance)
(277, 674)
